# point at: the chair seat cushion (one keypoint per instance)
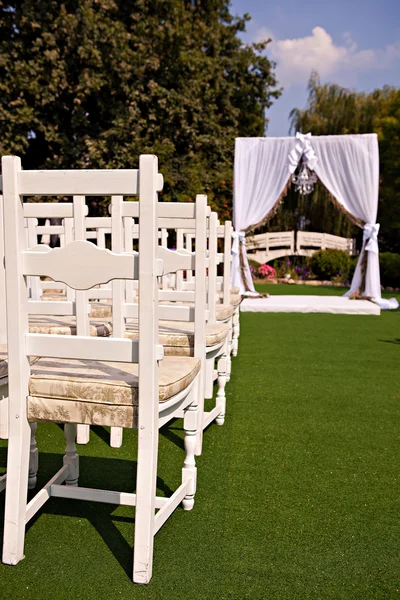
(100, 310)
(103, 310)
(223, 312)
(234, 299)
(178, 335)
(4, 360)
(97, 392)
(48, 297)
(66, 326)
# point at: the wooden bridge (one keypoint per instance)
(265, 247)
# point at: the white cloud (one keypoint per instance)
(297, 57)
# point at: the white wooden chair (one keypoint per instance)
(227, 294)
(217, 350)
(46, 313)
(109, 381)
(180, 324)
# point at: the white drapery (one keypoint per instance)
(348, 166)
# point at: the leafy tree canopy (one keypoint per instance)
(95, 83)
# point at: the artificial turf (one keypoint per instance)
(298, 493)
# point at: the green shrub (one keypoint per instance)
(328, 264)
(253, 263)
(254, 266)
(389, 264)
(353, 264)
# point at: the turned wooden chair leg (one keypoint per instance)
(200, 411)
(191, 426)
(70, 457)
(221, 398)
(33, 458)
(236, 332)
(146, 485)
(229, 354)
(209, 378)
(17, 489)
(83, 434)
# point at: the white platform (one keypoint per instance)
(336, 305)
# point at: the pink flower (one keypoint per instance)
(267, 271)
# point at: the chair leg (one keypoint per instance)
(236, 333)
(221, 398)
(146, 480)
(33, 458)
(17, 489)
(83, 434)
(116, 435)
(70, 457)
(209, 378)
(228, 368)
(200, 410)
(230, 348)
(191, 426)
(3, 413)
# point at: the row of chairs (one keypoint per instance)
(128, 337)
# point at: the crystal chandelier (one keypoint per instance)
(306, 179)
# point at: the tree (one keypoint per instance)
(95, 83)
(387, 126)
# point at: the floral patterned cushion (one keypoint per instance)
(103, 310)
(97, 392)
(178, 334)
(234, 300)
(223, 312)
(100, 310)
(66, 326)
(52, 297)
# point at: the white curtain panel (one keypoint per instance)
(260, 176)
(348, 166)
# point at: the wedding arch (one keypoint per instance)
(347, 165)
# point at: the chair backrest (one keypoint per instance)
(225, 232)
(3, 314)
(174, 262)
(182, 232)
(81, 265)
(32, 212)
(65, 213)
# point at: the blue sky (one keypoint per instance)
(355, 43)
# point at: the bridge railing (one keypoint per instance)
(267, 246)
(309, 242)
(264, 247)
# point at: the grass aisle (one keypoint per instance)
(298, 492)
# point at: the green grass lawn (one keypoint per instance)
(298, 493)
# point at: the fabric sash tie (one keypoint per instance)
(303, 146)
(238, 237)
(370, 237)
